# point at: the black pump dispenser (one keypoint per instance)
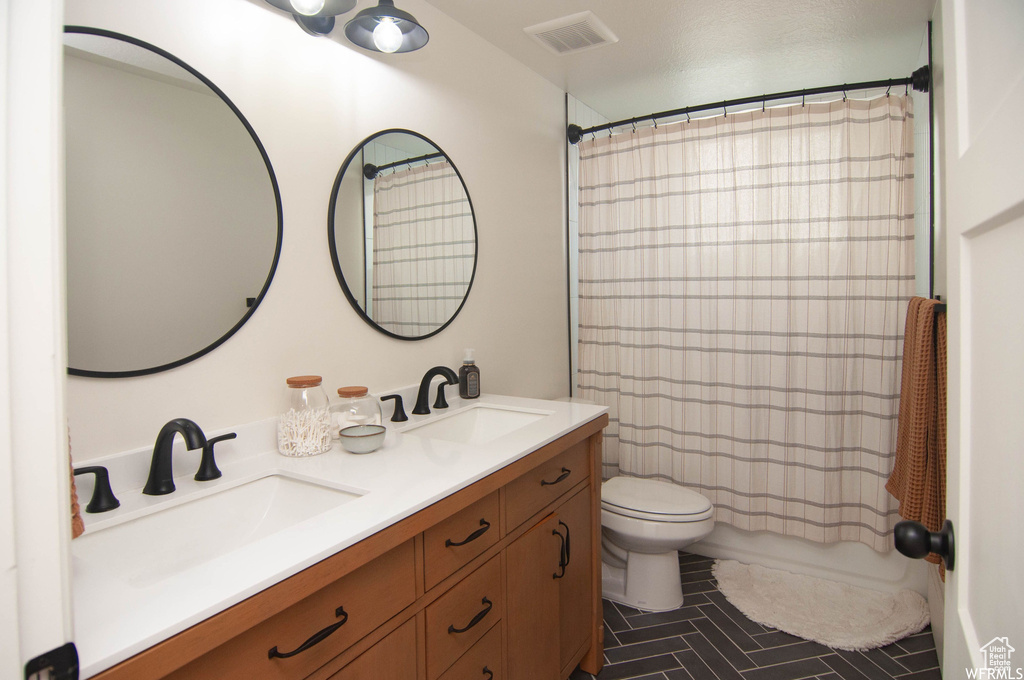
(469, 377)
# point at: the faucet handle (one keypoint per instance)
(103, 498)
(398, 416)
(208, 466)
(441, 402)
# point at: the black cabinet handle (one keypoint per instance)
(484, 526)
(565, 473)
(476, 619)
(563, 559)
(568, 545)
(488, 673)
(316, 638)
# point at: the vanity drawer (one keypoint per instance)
(460, 617)
(359, 602)
(482, 661)
(529, 494)
(452, 543)
(393, 658)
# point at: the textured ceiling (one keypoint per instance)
(674, 53)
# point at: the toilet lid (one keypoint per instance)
(627, 495)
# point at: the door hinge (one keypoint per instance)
(57, 664)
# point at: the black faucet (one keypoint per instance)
(161, 474)
(423, 396)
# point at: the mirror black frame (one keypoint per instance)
(332, 243)
(277, 200)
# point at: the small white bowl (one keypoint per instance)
(362, 438)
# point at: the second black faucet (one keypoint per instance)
(423, 396)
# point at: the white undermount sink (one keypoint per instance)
(477, 424)
(147, 549)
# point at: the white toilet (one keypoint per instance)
(644, 523)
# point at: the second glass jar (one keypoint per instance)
(354, 406)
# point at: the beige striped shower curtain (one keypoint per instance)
(743, 287)
(423, 248)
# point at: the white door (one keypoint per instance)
(35, 610)
(981, 81)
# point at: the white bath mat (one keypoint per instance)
(835, 614)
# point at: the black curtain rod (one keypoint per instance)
(919, 80)
(370, 170)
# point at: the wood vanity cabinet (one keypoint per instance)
(550, 594)
(500, 580)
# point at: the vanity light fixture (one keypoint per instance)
(385, 28)
(315, 16)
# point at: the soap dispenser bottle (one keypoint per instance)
(469, 377)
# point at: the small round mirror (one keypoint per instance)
(402, 234)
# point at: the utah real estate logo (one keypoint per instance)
(996, 662)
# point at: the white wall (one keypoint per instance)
(311, 101)
(35, 572)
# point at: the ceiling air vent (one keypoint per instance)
(573, 33)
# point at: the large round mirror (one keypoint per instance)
(173, 210)
(402, 234)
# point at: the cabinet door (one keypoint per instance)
(393, 658)
(532, 562)
(575, 587)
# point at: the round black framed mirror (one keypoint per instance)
(174, 220)
(402, 234)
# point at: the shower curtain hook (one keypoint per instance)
(907, 90)
(655, 121)
(634, 126)
(844, 95)
(763, 98)
(687, 116)
(888, 88)
(725, 111)
(803, 99)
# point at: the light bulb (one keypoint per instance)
(308, 7)
(387, 36)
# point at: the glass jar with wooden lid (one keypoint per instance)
(354, 406)
(304, 428)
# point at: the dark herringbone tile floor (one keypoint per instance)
(709, 639)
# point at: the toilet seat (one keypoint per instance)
(653, 500)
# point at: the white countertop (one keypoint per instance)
(115, 620)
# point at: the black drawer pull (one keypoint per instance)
(568, 546)
(316, 638)
(490, 675)
(563, 557)
(476, 619)
(484, 526)
(565, 473)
